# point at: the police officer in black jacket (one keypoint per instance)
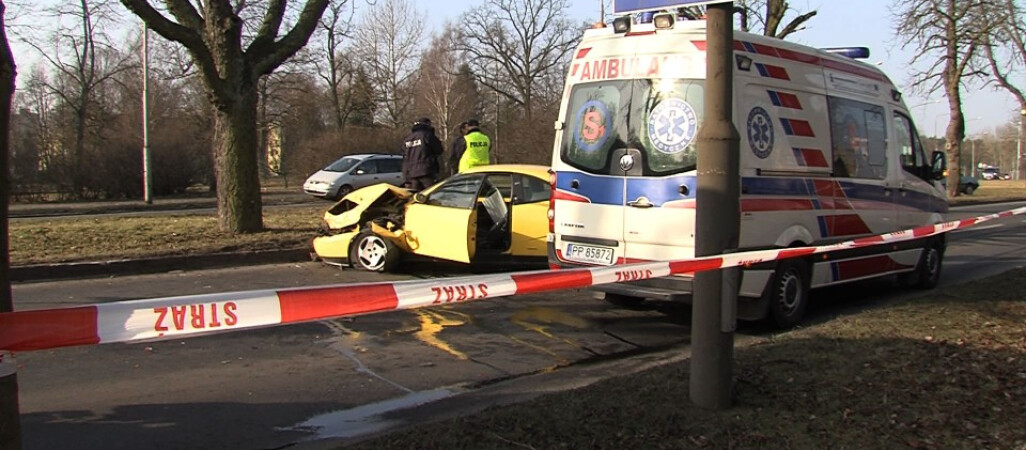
(421, 149)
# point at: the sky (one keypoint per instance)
(838, 23)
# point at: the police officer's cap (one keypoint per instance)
(423, 120)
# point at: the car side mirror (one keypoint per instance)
(360, 171)
(938, 164)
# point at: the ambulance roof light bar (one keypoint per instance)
(622, 24)
(850, 52)
(663, 21)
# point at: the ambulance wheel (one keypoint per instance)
(374, 253)
(788, 293)
(625, 301)
(928, 269)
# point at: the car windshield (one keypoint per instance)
(342, 165)
(659, 118)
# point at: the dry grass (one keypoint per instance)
(944, 371)
(107, 238)
(992, 191)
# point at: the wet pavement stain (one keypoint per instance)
(433, 322)
(540, 320)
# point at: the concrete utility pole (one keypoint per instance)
(10, 418)
(714, 307)
(147, 174)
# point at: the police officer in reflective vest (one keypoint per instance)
(477, 148)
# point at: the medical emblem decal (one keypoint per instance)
(593, 125)
(672, 126)
(626, 163)
(760, 132)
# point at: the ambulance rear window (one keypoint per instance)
(658, 118)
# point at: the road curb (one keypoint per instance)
(95, 269)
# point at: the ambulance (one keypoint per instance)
(829, 153)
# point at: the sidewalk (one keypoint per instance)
(269, 197)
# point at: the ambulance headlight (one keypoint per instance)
(663, 21)
(622, 24)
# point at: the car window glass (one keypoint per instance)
(342, 165)
(390, 165)
(502, 182)
(534, 190)
(859, 139)
(456, 192)
(367, 167)
(911, 155)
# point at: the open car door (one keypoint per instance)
(442, 222)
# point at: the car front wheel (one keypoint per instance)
(928, 269)
(374, 253)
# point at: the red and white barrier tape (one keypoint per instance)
(192, 315)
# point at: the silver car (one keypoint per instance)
(353, 172)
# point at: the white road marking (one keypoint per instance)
(367, 418)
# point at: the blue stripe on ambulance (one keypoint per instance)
(608, 190)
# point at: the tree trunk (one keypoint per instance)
(235, 164)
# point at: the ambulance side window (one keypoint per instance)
(859, 139)
(913, 158)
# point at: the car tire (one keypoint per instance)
(969, 190)
(624, 301)
(788, 293)
(928, 269)
(373, 253)
(343, 191)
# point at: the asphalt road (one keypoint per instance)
(305, 385)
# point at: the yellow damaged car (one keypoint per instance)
(483, 214)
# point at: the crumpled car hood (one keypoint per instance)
(365, 204)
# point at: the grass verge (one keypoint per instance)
(946, 370)
(993, 191)
(106, 238)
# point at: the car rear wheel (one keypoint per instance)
(969, 190)
(374, 253)
(788, 293)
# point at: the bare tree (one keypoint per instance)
(945, 36)
(84, 59)
(337, 67)
(1009, 59)
(765, 16)
(447, 90)
(389, 45)
(512, 45)
(214, 37)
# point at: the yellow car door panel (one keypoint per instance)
(442, 222)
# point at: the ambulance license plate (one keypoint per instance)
(589, 254)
